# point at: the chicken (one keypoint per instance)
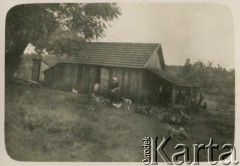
(117, 105)
(127, 103)
(74, 90)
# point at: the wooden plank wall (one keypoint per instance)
(62, 76)
(36, 70)
(105, 75)
(42, 68)
(58, 76)
(83, 77)
(151, 84)
(92, 78)
(48, 79)
(126, 82)
(129, 81)
(134, 83)
(69, 76)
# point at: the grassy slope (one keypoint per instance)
(50, 125)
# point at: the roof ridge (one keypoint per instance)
(119, 54)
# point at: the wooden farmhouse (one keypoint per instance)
(139, 68)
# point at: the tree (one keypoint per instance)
(52, 27)
(212, 79)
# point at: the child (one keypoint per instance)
(95, 89)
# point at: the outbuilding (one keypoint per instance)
(139, 68)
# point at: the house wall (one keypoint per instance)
(134, 83)
(152, 83)
(36, 69)
(43, 67)
(154, 61)
(129, 81)
(83, 77)
(161, 59)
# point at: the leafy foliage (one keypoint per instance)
(212, 79)
(54, 27)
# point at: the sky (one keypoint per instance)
(196, 31)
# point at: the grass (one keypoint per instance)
(51, 125)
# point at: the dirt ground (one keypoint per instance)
(52, 125)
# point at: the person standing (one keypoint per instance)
(114, 90)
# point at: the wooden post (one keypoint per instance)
(173, 95)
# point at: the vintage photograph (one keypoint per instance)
(100, 82)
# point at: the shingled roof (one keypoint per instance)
(172, 77)
(130, 55)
